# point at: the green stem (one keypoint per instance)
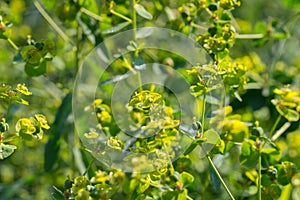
(275, 125)
(60, 32)
(88, 167)
(198, 26)
(259, 175)
(209, 12)
(203, 113)
(208, 157)
(121, 16)
(134, 39)
(13, 44)
(249, 36)
(140, 81)
(91, 14)
(133, 19)
(78, 41)
(220, 177)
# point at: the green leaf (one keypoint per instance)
(194, 144)
(285, 172)
(6, 150)
(182, 195)
(56, 194)
(225, 17)
(50, 47)
(36, 70)
(246, 149)
(142, 11)
(214, 179)
(4, 87)
(198, 90)
(20, 100)
(168, 195)
(30, 54)
(265, 180)
(260, 27)
(186, 178)
(279, 35)
(116, 28)
(2, 35)
(190, 148)
(289, 114)
(249, 154)
(52, 147)
(143, 186)
(286, 192)
(211, 136)
(291, 3)
(274, 191)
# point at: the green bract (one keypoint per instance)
(32, 126)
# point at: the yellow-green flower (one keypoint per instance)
(23, 89)
(25, 125)
(42, 121)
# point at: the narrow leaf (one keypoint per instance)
(116, 28)
(115, 78)
(214, 179)
(57, 128)
(142, 11)
(56, 194)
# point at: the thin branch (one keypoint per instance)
(259, 175)
(249, 36)
(275, 125)
(91, 14)
(13, 44)
(121, 16)
(51, 22)
(220, 177)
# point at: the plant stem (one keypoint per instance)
(134, 39)
(51, 22)
(140, 81)
(249, 36)
(208, 157)
(198, 26)
(259, 175)
(78, 47)
(88, 167)
(133, 19)
(275, 125)
(220, 177)
(121, 16)
(91, 14)
(13, 44)
(203, 113)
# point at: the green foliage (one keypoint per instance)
(32, 126)
(251, 141)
